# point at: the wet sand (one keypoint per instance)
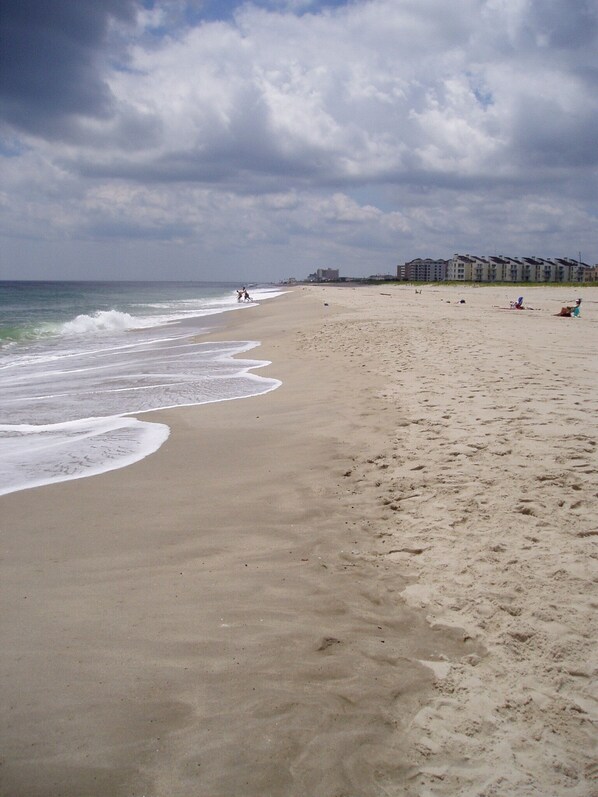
(379, 579)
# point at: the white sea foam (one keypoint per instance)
(57, 434)
(66, 399)
(147, 374)
(37, 455)
(102, 321)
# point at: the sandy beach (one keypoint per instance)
(378, 579)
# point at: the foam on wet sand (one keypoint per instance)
(377, 579)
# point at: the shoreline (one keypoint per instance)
(104, 438)
(314, 591)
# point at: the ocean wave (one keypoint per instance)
(101, 321)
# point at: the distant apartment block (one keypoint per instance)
(324, 275)
(423, 270)
(473, 268)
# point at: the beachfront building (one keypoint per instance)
(591, 274)
(500, 268)
(423, 270)
(324, 275)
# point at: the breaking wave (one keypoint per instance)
(101, 321)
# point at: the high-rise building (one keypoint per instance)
(327, 274)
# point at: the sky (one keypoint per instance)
(223, 140)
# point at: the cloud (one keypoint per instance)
(52, 59)
(372, 92)
(339, 127)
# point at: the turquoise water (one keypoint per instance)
(78, 359)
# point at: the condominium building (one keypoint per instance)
(474, 268)
(423, 270)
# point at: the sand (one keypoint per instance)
(379, 579)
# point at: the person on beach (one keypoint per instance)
(240, 294)
(518, 305)
(246, 296)
(569, 312)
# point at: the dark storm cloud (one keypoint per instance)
(564, 25)
(51, 60)
(557, 140)
(554, 123)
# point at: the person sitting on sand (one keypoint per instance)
(568, 311)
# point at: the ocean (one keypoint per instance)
(79, 359)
